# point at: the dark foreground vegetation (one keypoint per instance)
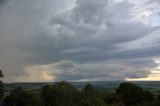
(64, 94)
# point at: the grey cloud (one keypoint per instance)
(107, 70)
(90, 11)
(153, 1)
(20, 27)
(47, 32)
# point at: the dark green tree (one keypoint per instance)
(132, 94)
(1, 74)
(158, 95)
(59, 94)
(112, 98)
(148, 96)
(89, 97)
(89, 90)
(1, 85)
(20, 97)
(1, 90)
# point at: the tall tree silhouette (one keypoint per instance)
(1, 85)
(1, 74)
(89, 90)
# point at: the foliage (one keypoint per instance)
(1, 90)
(1, 74)
(19, 97)
(64, 94)
(59, 94)
(89, 90)
(132, 94)
(1, 86)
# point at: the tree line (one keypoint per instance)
(64, 94)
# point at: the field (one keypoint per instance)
(153, 86)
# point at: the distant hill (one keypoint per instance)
(99, 85)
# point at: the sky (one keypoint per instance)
(79, 40)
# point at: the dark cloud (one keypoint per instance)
(81, 33)
(2, 1)
(106, 70)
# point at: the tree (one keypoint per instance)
(89, 90)
(1, 85)
(1, 90)
(20, 97)
(112, 98)
(59, 94)
(148, 96)
(1, 74)
(158, 95)
(88, 97)
(132, 94)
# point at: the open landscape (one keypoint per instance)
(104, 93)
(79, 52)
(154, 86)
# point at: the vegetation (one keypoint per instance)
(1, 86)
(1, 74)
(132, 94)
(64, 94)
(19, 97)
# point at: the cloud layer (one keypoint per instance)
(78, 40)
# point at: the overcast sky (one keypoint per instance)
(79, 40)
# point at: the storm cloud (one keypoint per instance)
(78, 40)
